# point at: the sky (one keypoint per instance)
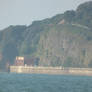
(23, 12)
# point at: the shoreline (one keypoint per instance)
(51, 70)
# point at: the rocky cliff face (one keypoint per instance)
(65, 45)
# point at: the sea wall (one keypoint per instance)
(50, 70)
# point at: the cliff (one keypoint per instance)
(63, 40)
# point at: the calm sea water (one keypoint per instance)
(44, 83)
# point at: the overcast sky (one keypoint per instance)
(23, 12)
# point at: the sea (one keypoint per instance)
(10, 82)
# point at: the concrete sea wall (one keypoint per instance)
(51, 70)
